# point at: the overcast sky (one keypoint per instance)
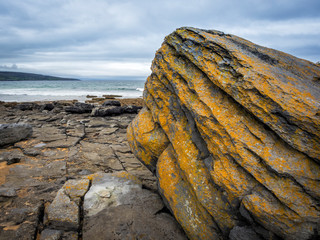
(99, 38)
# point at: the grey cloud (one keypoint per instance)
(97, 30)
(13, 67)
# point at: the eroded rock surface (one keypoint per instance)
(232, 131)
(12, 133)
(42, 188)
(117, 207)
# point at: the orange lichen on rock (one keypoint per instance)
(192, 216)
(151, 137)
(232, 130)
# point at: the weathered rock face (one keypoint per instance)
(11, 133)
(116, 207)
(232, 130)
(79, 108)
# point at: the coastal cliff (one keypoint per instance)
(231, 130)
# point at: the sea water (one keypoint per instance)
(23, 91)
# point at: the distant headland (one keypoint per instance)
(21, 76)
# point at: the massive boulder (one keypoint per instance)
(232, 131)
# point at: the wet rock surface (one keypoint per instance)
(42, 189)
(231, 130)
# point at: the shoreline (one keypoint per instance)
(68, 90)
(124, 102)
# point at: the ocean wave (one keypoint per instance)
(25, 91)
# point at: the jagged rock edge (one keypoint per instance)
(155, 102)
(305, 131)
(269, 167)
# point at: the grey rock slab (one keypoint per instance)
(106, 111)
(7, 193)
(47, 106)
(70, 236)
(49, 134)
(55, 169)
(243, 233)
(79, 108)
(131, 109)
(116, 207)
(31, 152)
(71, 123)
(27, 106)
(76, 131)
(100, 155)
(12, 156)
(65, 143)
(50, 234)
(96, 149)
(111, 103)
(53, 153)
(23, 175)
(106, 190)
(20, 221)
(122, 148)
(108, 131)
(95, 123)
(63, 213)
(12, 133)
(85, 172)
(76, 188)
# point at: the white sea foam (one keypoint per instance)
(41, 91)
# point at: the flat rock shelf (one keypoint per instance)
(44, 178)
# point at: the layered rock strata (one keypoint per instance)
(231, 130)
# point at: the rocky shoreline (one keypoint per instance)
(44, 178)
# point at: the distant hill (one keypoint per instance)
(20, 76)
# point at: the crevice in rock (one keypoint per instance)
(191, 189)
(40, 224)
(144, 186)
(151, 167)
(286, 119)
(206, 152)
(214, 48)
(227, 133)
(191, 88)
(251, 221)
(271, 170)
(164, 210)
(196, 136)
(154, 101)
(117, 157)
(304, 129)
(253, 50)
(81, 212)
(316, 234)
